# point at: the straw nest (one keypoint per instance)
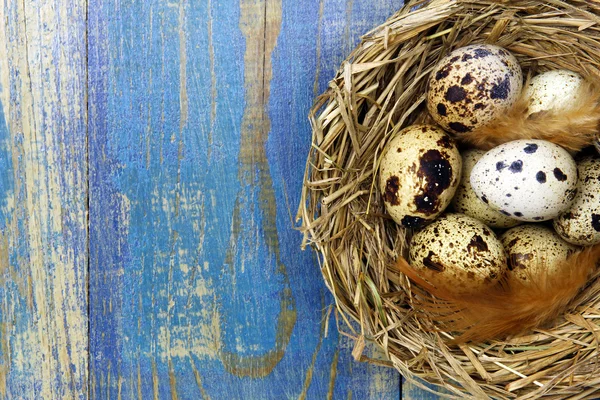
(381, 87)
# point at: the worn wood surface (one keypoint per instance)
(43, 200)
(181, 128)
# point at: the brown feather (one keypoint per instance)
(573, 128)
(511, 307)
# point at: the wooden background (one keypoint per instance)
(151, 158)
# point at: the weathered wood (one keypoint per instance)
(198, 135)
(197, 140)
(43, 200)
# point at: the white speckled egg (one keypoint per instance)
(465, 200)
(553, 90)
(472, 85)
(459, 254)
(530, 180)
(533, 250)
(580, 224)
(418, 175)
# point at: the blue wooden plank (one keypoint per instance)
(313, 43)
(43, 199)
(198, 134)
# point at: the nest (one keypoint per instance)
(381, 88)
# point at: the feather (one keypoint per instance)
(573, 128)
(510, 308)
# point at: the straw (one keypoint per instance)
(378, 90)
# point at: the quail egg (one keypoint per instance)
(529, 180)
(459, 254)
(419, 172)
(533, 250)
(465, 200)
(553, 90)
(580, 224)
(473, 85)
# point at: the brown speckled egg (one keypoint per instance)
(472, 85)
(465, 200)
(459, 254)
(418, 175)
(533, 250)
(580, 224)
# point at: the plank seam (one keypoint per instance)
(88, 260)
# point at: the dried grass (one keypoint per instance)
(379, 89)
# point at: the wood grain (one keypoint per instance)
(198, 133)
(43, 200)
(191, 163)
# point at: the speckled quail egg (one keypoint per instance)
(580, 224)
(533, 250)
(473, 85)
(553, 90)
(419, 172)
(465, 200)
(530, 180)
(459, 254)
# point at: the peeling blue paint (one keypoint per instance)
(163, 201)
(7, 172)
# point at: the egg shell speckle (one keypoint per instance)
(472, 85)
(459, 254)
(465, 200)
(529, 180)
(533, 250)
(580, 224)
(553, 90)
(418, 175)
